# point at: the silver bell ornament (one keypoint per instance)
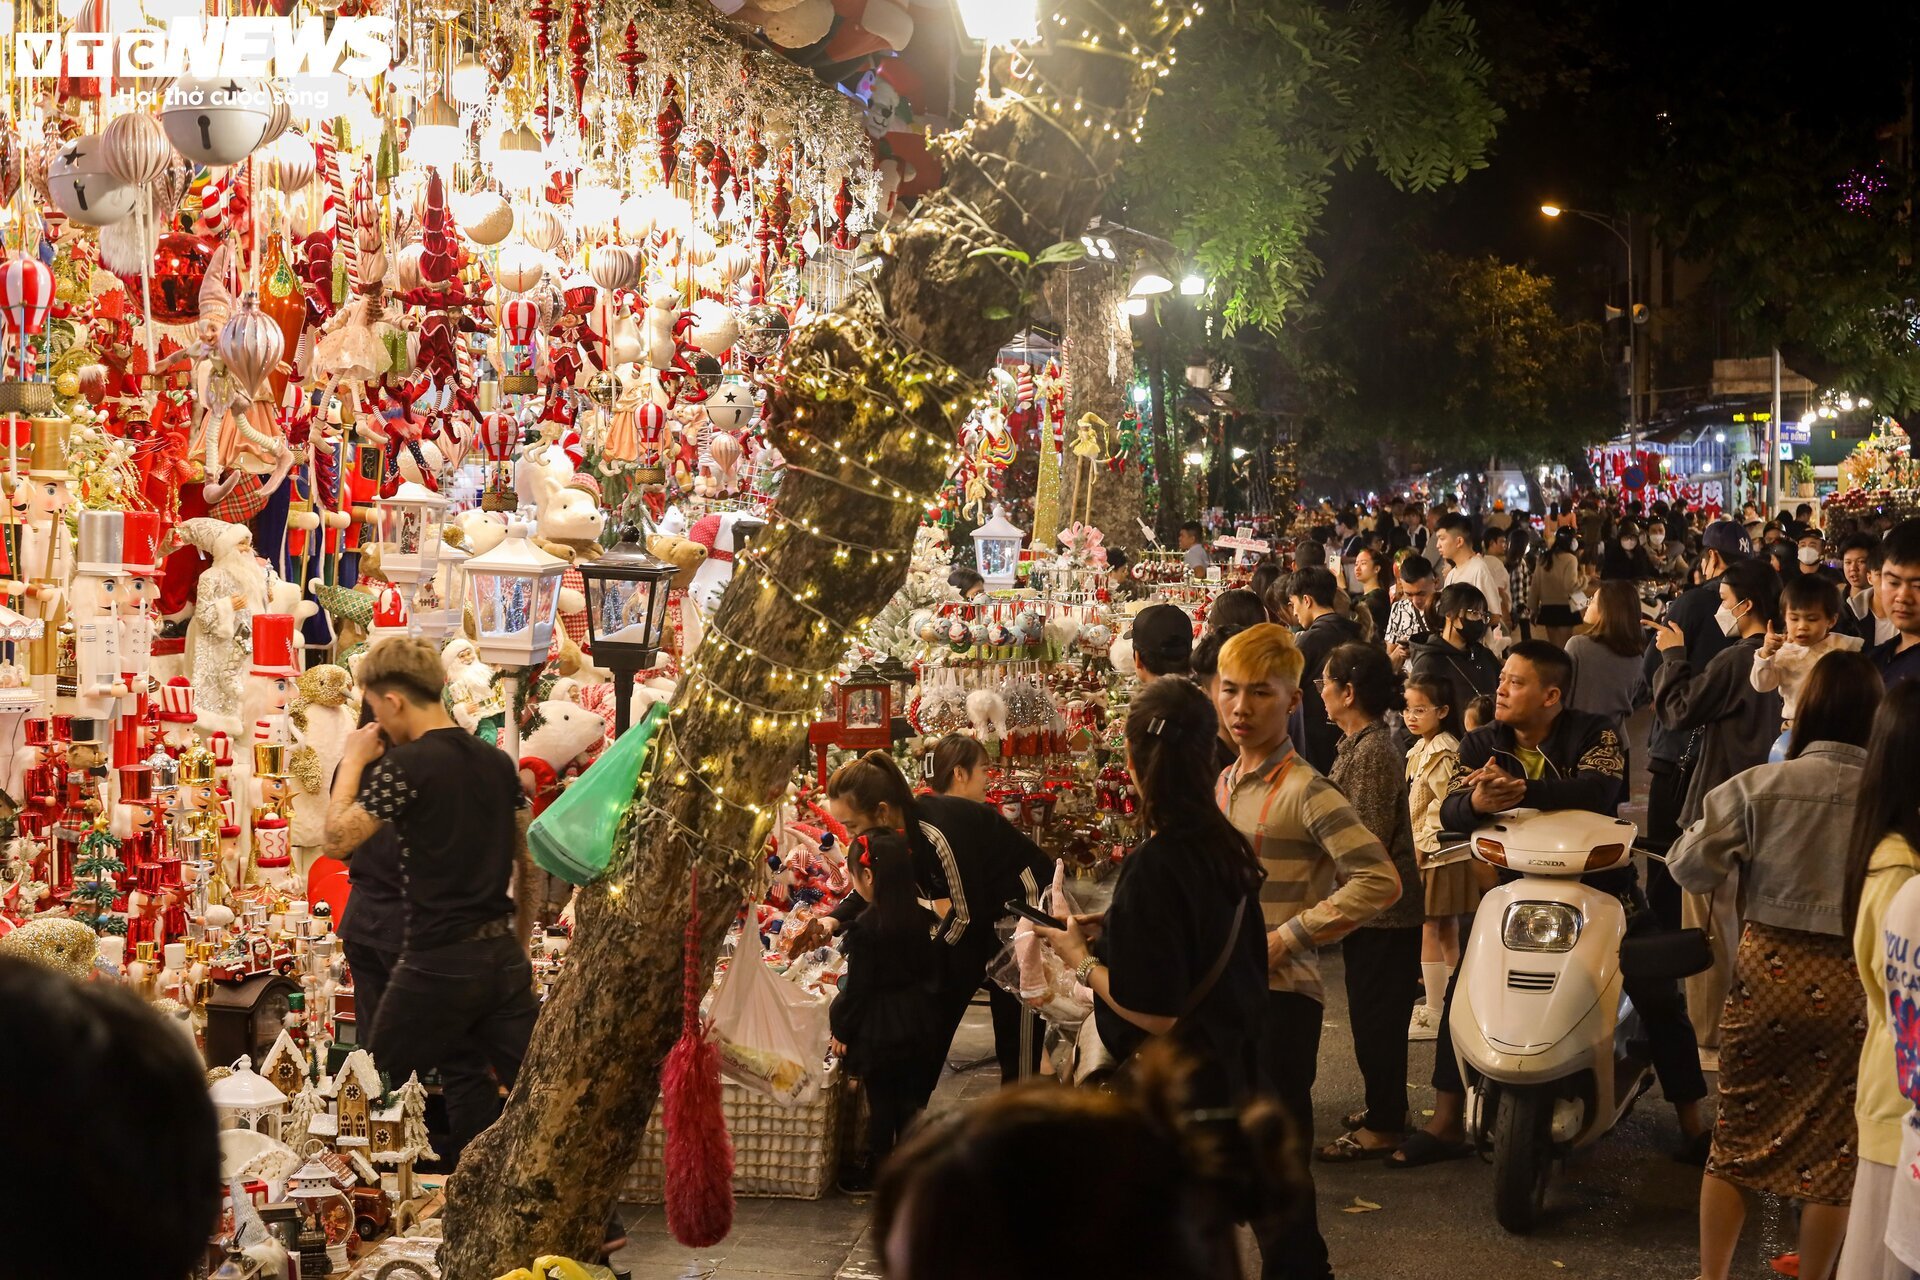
(217, 122)
(84, 188)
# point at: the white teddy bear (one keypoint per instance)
(568, 732)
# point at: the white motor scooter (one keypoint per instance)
(1549, 1046)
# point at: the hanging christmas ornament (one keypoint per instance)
(485, 217)
(498, 58)
(179, 269)
(519, 268)
(250, 345)
(83, 186)
(614, 266)
(579, 45)
(212, 122)
(441, 259)
(631, 56)
(26, 294)
(540, 227)
(289, 162)
(544, 16)
(719, 170)
(136, 148)
(667, 126)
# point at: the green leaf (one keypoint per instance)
(1062, 252)
(998, 251)
(996, 313)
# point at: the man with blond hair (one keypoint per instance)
(1326, 876)
(463, 985)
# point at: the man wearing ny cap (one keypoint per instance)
(1162, 641)
(1723, 543)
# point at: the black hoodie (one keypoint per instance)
(1469, 672)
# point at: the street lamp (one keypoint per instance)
(626, 612)
(1001, 22)
(1192, 286)
(1147, 283)
(1622, 229)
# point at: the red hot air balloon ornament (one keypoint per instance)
(26, 293)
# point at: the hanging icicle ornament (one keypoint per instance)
(579, 45)
(719, 169)
(667, 126)
(842, 207)
(631, 56)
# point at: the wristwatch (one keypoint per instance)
(1084, 973)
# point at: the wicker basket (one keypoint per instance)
(790, 1153)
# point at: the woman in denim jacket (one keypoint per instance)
(1787, 1070)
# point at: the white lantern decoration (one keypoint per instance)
(437, 138)
(520, 160)
(514, 592)
(85, 188)
(248, 1100)
(996, 549)
(216, 122)
(410, 534)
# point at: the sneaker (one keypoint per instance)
(1709, 1059)
(1425, 1023)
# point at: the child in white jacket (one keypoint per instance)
(1811, 606)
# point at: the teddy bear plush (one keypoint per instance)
(567, 734)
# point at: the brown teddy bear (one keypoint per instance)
(683, 554)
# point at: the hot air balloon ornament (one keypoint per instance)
(500, 440)
(519, 320)
(26, 296)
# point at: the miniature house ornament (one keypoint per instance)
(996, 549)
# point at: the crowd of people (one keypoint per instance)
(1416, 671)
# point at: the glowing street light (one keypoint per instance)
(1551, 210)
(1001, 22)
(1192, 286)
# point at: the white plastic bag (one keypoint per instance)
(772, 1035)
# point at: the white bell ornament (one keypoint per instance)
(84, 188)
(216, 122)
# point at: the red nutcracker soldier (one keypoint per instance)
(140, 556)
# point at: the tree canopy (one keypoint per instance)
(1274, 99)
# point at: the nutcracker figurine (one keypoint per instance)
(46, 548)
(140, 557)
(96, 617)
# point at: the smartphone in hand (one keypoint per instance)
(1026, 911)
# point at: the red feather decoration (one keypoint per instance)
(699, 1164)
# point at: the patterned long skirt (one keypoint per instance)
(1789, 1047)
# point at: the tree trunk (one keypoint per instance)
(1099, 366)
(900, 357)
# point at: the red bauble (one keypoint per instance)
(179, 267)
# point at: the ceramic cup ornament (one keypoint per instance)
(216, 121)
(84, 188)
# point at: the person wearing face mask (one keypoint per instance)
(1625, 559)
(1811, 556)
(1723, 543)
(1457, 653)
(1730, 726)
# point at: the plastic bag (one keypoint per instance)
(1037, 977)
(573, 839)
(772, 1035)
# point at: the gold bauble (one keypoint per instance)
(67, 384)
(65, 291)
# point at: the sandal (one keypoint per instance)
(1422, 1148)
(1358, 1120)
(1346, 1149)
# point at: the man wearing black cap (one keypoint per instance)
(1724, 543)
(1162, 641)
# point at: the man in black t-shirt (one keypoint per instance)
(463, 984)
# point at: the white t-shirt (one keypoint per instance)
(1481, 572)
(1900, 944)
(1197, 557)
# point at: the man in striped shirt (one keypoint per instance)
(1326, 875)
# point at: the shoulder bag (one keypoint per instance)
(1094, 1064)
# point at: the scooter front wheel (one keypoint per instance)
(1522, 1157)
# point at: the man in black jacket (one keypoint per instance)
(1724, 543)
(1540, 754)
(1310, 594)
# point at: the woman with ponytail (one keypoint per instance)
(1181, 951)
(969, 862)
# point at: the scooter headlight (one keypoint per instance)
(1541, 926)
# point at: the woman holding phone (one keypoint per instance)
(1182, 949)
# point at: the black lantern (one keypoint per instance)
(626, 612)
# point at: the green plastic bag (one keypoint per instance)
(573, 839)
